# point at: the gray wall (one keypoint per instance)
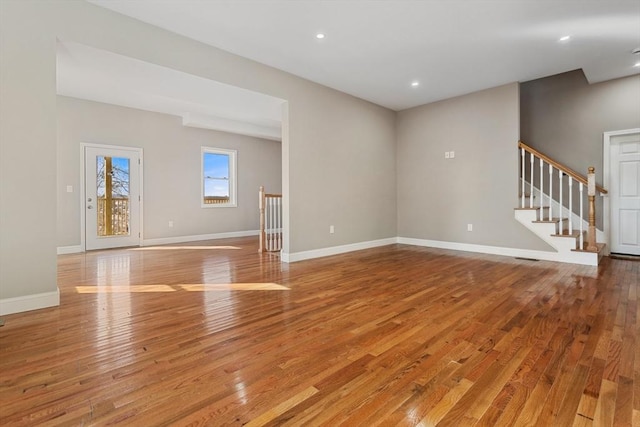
(27, 152)
(338, 159)
(438, 197)
(564, 116)
(171, 169)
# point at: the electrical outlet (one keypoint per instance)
(170, 223)
(69, 188)
(331, 229)
(446, 154)
(469, 227)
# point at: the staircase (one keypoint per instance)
(555, 220)
(270, 206)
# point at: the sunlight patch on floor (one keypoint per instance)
(235, 287)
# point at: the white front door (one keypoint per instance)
(112, 197)
(625, 193)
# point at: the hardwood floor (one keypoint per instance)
(216, 334)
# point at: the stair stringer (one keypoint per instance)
(564, 246)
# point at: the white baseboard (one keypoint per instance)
(29, 302)
(491, 250)
(198, 237)
(62, 250)
(335, 250)
(467, 247)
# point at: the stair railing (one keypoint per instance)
(270, 206)
(572, 178)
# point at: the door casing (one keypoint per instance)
(606, 177)
(83, 198)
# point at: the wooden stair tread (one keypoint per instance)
(600, 247)
(535, 208)
(575, 233)
(551, 221)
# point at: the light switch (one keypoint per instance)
(69, 188)
(452, 154)
(446, 154)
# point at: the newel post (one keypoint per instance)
(261, 196)
(591, 192)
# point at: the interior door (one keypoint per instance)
(113, 199)
(625, 194)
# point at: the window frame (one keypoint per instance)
(233, 177)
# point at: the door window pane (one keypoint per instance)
(112, 182)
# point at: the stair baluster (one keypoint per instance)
(560, 215)
(522, 174)
(272, 222)
(269, 223)
(570, 205)
(550, 192)
(541, 189)
(531, 181)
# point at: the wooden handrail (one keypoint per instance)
(573, 174)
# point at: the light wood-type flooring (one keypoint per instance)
(213, 333)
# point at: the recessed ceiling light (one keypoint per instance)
(415, 84)
(565, 38)
(320, 36)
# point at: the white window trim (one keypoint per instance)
(233, 177)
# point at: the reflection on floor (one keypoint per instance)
(396, 335)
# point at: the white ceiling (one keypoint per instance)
(375, 49)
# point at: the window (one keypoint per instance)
(218, 178)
